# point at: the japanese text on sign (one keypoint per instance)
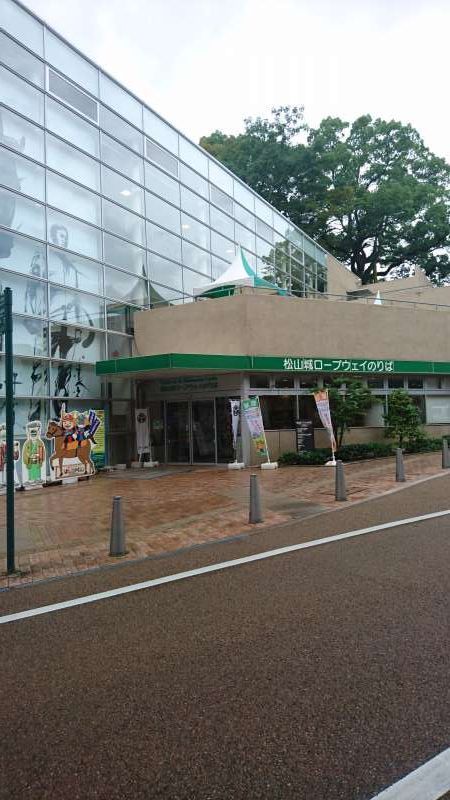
(336, 365)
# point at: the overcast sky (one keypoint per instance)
(207, 64)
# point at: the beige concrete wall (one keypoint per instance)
(272, 325)
(340, 279)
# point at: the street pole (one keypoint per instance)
(7, 327)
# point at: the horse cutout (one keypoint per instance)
(72, 440)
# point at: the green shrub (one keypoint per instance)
(360, 452)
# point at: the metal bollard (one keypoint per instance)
(255, 513)
(399, 466)
(117, 540)
(340, 491)
(445, 454)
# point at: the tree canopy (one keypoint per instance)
(370, 191)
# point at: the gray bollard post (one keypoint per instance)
(399, 466)
(255, 513)
(117, 540)
(445, 454)
(340, 491)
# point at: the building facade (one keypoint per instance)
(106, 209)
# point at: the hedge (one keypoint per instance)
(359, 452)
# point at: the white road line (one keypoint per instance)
(237, 562)
(428, 782)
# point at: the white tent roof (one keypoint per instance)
(239, 273)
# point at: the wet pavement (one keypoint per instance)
(63, 530)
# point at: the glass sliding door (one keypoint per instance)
(203, 432)
(225, 452)
(177, 432)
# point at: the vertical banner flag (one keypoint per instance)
(142, 431)
(323, 408)
(235, 416)
(251, 411)
(98, 452)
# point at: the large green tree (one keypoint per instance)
(371, 192)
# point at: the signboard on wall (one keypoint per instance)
(304, 431)
(98, 452)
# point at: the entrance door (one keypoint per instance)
(177, 432)
(203, 432)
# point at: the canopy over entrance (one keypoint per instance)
(239, 273)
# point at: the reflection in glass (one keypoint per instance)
(76, 307)
(123, 222)
(74, 380)
(76, 343)
(222, 222)
(124, 286)
(193, 280)
(122, 190)
(193, 156)
(161, 184)
(119, 99)
(70, 126)
(194, 205)
(30, 336)
(203, 431)
(159, 130)
(74, 271)
(162, 296)
(21, 96)
(120, 129)
(71, 162)
(120, 158)
(25, 28)
(30, 377)
(163, 242)
(20, 214)
(22, 255)
(193, 180)
(221, 199)
(21, 135)
(162, 213)
(195, 231)
(21, 61)
(220, 177)
(120, 317)
(119, 346)
(69, 232)
(161, 157)
(70, 63)
(123, 254)
(66, 195)
(223, 247)
(29, 296)
(165, 272)
(196, 259)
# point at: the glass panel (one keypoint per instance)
(21, 135)
(218, 266)
(21, 214)
(70, 126)
(193, 280)
(117, 127)
(162, 213)
(159, 130)
(76, 307)
(194, 205)
(396, 383)
(225, 451)
(29, 296)
(193, 180)
(30, 377)
(264, 212)
(193, 156)
(20, 95)
(68, 232)
(20, 174)
(119, 317)
(122, 159)
(222, 222)
(122, 286)
(278, 412)
(166, 272)
(161, 184)
(203, 431)
(263, 230)
(221, 178)
(74, 271)
(251, 259)
(437, 409)
(73, 96)
(177, 427)
(161, 157)
(196, 259)
(74, 380)
(221, 199)
(77, 343)
(244, 196)
(23, 255)
(244, 238)
(280, 223)
(264, 249)
(123, 254)
(14, 56)
(66, 159)
(163, 242)
(66, 195)
(119, 346)
(162, 296)
(244, 216)
(223, 247)
(30, 337)
(122, 190)
(194, 231)
(123, 222)
(22, 26)
(116, 97)
(70, 63)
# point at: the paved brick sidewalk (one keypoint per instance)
(64, 530)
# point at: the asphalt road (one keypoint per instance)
(318, 675)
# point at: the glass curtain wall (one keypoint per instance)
(105, 209)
